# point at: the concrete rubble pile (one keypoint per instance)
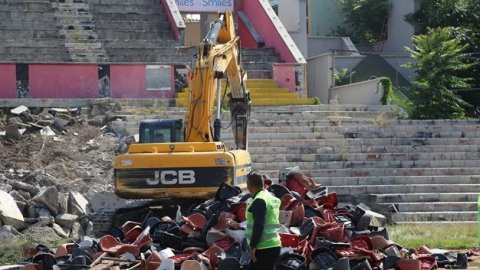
(54, 121)
(52, 162)
(315, 232)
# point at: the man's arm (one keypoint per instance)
(258, 210)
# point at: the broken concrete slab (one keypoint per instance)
(62, 203)
(78, 204)
(60, 123)
(45, 122)
(97, 121)
(21, 205)
(33, 190)
(32, 211)
(36, 176)
(104, 199)
(42, 222)
(66, 220)
(9, 212)
(89, 229)
(19, 110)
(62, 232)
(12, 131)
(6, 236)
(90, 145)
(44, 213)
(24, 194)
(41, 235)
(47, 131)
(49, 198)
(5, 187)
(17, 197)
(35, 125)
(12, 230)
(77, 231)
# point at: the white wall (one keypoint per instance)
(367, 92)
(319, 74)
(293, 14)
(399, 31)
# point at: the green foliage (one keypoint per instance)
(439, 55)
(463, 15)
(364, 19)
(460, 236)
(402, 106)
(388, 94)
(316, 101)
(343, 77)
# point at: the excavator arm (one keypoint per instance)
(218, 58)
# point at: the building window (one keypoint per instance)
(158, 78)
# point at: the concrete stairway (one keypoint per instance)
(263, 92)
(139, 32)
(430, 170)
(28, 32)
(96, 31)
(75, 23)
(128, 29)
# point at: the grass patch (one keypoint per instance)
(11, 253)
(444, 236)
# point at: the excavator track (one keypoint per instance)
(107, 217)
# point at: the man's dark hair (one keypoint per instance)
(255, 180)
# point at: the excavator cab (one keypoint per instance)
(161, 131)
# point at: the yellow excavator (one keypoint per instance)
(175, 162)
(172, 163)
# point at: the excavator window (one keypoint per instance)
(161, 131)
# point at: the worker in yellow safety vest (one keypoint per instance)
(262, 224)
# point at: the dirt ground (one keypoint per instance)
(80, 160)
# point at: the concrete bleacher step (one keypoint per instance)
(410, 188)
(288, 156)
(421, 143)
(271, 95)
(435, 206)
(430, 170)
(398, 180)
(24, 5)
(39, 57)
(353, 152)
(153, 25)
(28, 24)
(427, 197)
(22, 42)
(25, 14)
(414, 217)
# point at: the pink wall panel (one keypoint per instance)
(246, 38)
(284, 74)
(129, 81)
(63, 81)
(8, 85)
(265, 27)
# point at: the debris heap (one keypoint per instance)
(315, 232)
(54, 162)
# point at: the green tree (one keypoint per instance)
(364, 19)
(439, 56)
(464, 16)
